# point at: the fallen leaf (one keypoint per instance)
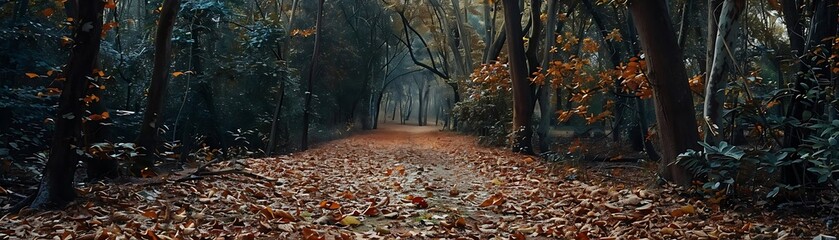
(685, 210)
(350, 221)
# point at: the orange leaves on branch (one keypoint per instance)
(111, 4)
(590, 46)
(303, 32)
(634, 79)
(494, 200)
(108, 26)
(564, 116)
(538, 78)
(614, 35)
(90, 99)
(697, 84)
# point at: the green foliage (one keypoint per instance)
(489, 117)
(821, 151)
(723, 166)
(718, 163)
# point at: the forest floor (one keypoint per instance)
(402, 182)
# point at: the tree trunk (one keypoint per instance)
(496, 46)
(275, 120)
(545, 107)
(56, 187)
(792, 17)
(304, 144)
(716, 83)
(152, 120)
(666, 73)
(714, 9)
(522, 102)
(464, 37)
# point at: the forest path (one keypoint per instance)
(394, 182)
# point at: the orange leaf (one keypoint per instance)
(32, 75)
(309, 234)
(582, 236)
(419, 202)
(47, 12)
(111, 4)
(494, 200)
(150, 214)
(329, 205)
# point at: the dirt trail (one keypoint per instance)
(394, 182)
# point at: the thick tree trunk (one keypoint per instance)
(56, 187)
(522, 95)
(672, 96)
(304, 144)
(152, 120)
(716, 83)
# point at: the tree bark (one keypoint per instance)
(545, 107)
(522, 95)
(464, 37)
(716, 83)
(148, 138)
(304, 143)
(666, 73)
(56, 187)
(795, 31)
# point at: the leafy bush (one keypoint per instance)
(821, 151)
(726, 167)
(487, 117)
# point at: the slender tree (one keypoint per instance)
(311, 77)
(715, 85)
(149, 138)
(545, 92)
(666, 73)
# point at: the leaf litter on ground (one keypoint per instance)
(396, 182)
